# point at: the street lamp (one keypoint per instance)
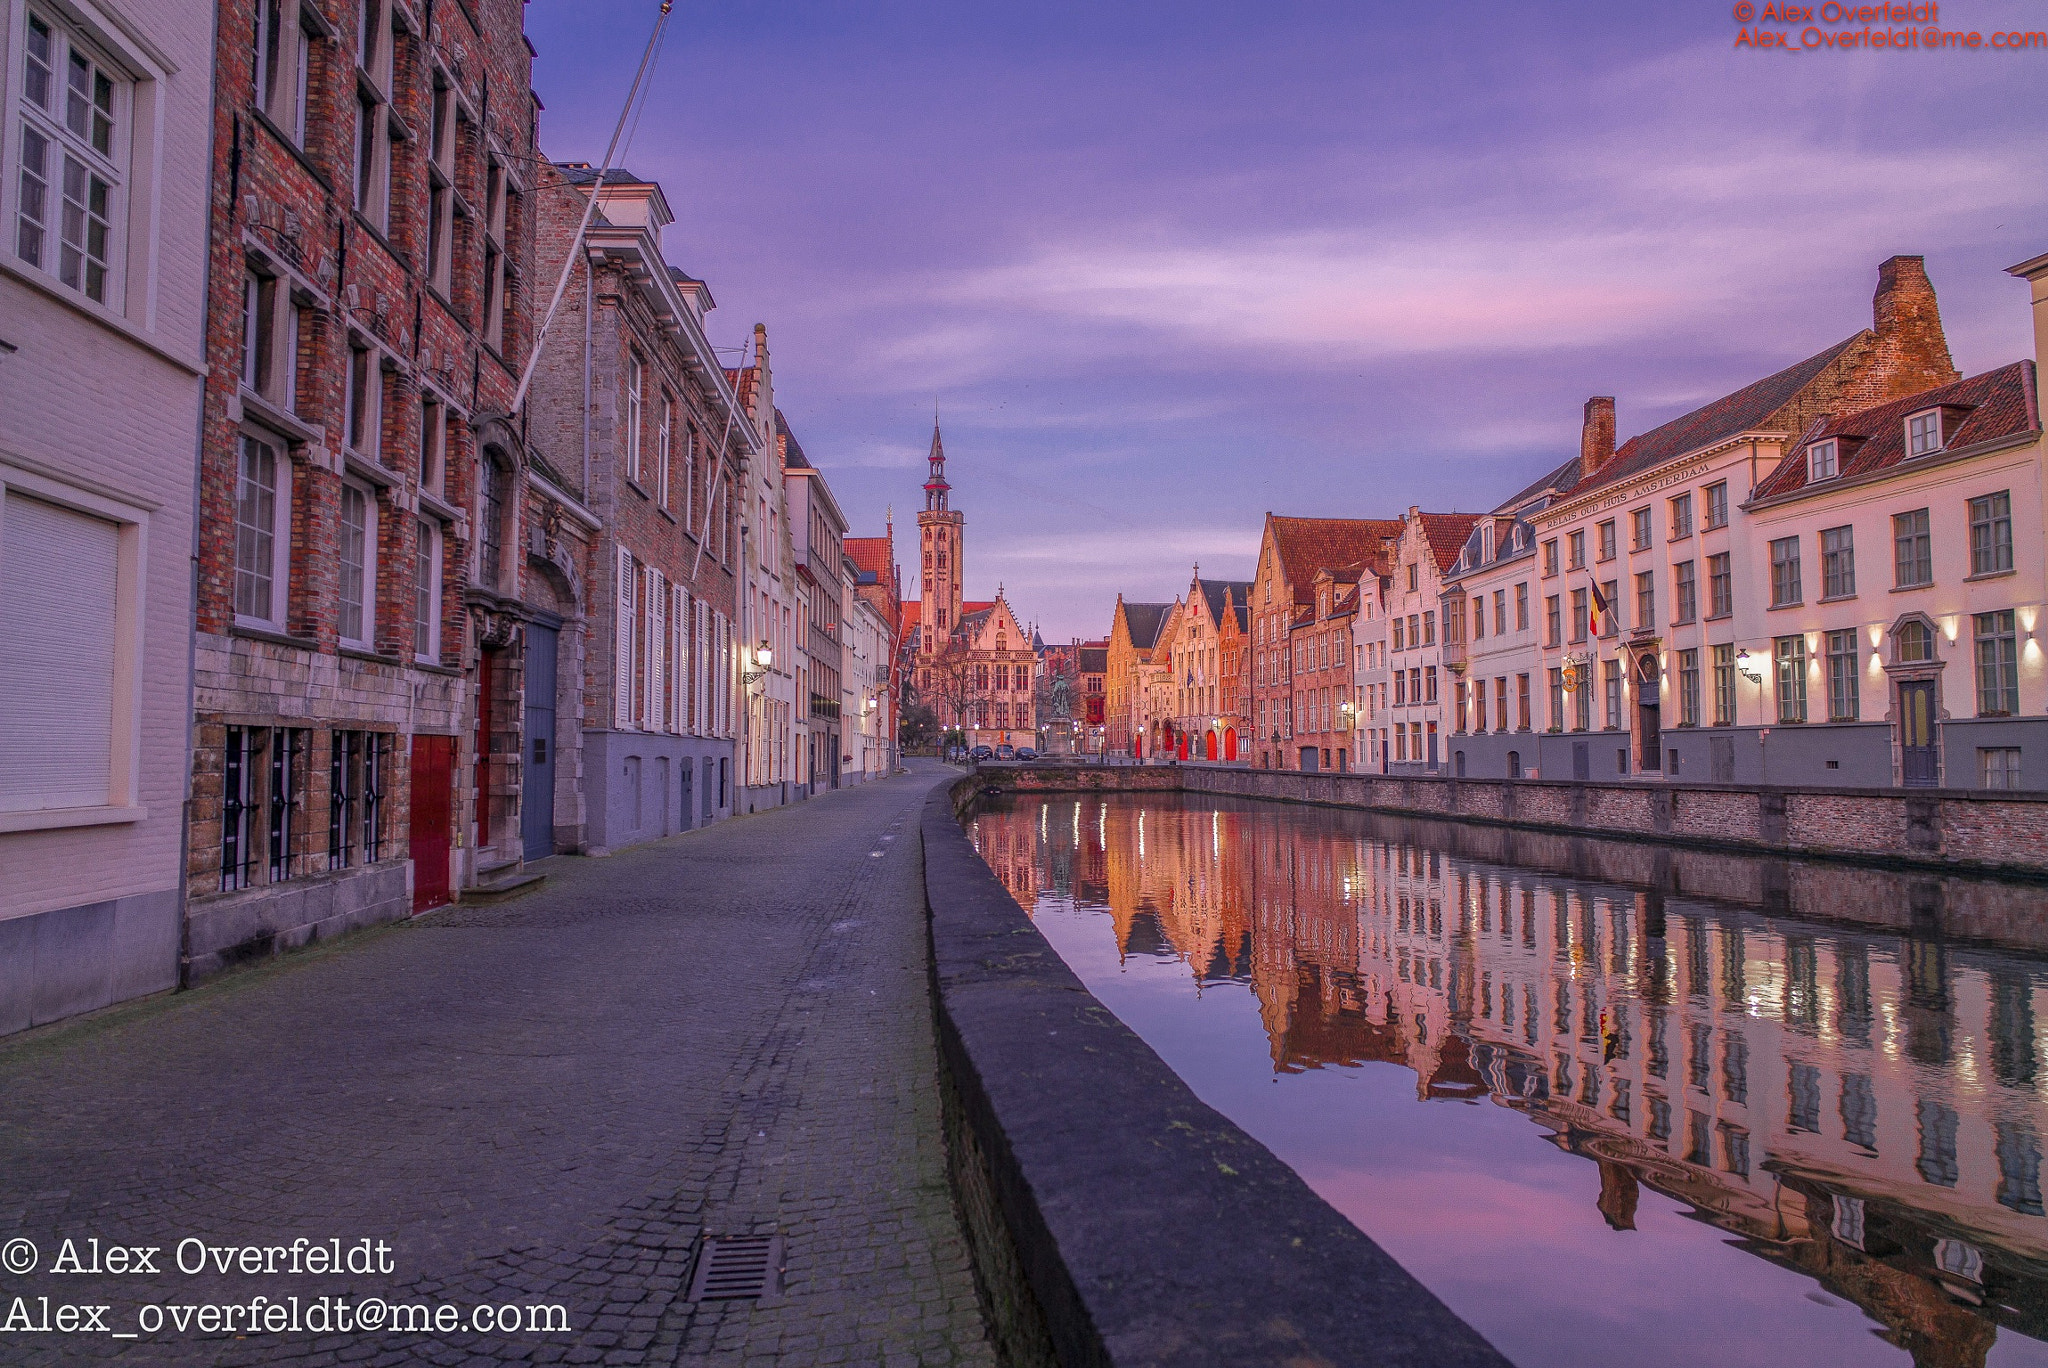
(763, 659)
(1749, 667)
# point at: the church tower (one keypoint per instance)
(941, 532)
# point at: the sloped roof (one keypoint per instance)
(1143, 620)
(1564, 477)
(871, 554)
(1307, 545)
(792, 450)
(1446, 533)
(2000, 403)
(743, 382)
(582, 173)
(1094, 659)
(1220, 593)
(1731, 414)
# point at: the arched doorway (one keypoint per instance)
(1230, 743)
(1209, 746)
(1181, 749)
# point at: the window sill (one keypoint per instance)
(1717, 617)
(254, 632)
(1837, 598)
(1911, 588)
(98, 313)
(634, 485)
(1678, 537)
(1684, 622)
(1782, 607)
(256, 407)
(1990, 575)
(435, 668)
(298, 153)
(54, 819)
(366, 654)
(377, 234)
(670, 516)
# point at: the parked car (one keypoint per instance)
(1006, 752)
(982, 753)
(1026, 753)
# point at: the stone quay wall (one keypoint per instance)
(1115, 1218)
(1951, 830)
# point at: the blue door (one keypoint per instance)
(537, 798)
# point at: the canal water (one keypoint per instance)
(1614, 1103)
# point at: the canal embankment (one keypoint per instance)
(1962, 831)
(1115, 1217)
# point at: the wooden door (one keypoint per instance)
(537, 774)
(1918, 765)
(433, 819)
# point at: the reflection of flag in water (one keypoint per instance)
(1600, 609)
(1610, 1039)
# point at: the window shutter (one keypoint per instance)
(58, 602)
(705, 725)
(650, 703)
(679, 647)
(622, 688)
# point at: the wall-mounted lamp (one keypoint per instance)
(763, 659)
(1746, 663)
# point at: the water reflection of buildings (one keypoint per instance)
(1865, 1107)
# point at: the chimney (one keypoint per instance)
(2035, 273)
(1596, 438)
(1913, 349)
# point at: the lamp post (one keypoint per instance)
(764, 658)
(1346, 721)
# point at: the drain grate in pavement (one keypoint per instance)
(738, 1267)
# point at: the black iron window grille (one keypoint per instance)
(344, 764)
(238, 808)
(376, 746)
(287, 758)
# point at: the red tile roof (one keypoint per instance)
(743, 382)
(870, 554)
(1731, 414)
(2000, 403)
(1307, 545)
(1446, 533)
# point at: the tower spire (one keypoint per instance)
(935, 486)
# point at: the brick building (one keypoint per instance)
(1323, 704)
(772, 723)
(878, 584)
(817, 532)
(631, 399)
(1128, 684)
(1198, 666)
(102, 344)
(375, 533)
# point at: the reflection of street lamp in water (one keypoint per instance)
(1747, 665)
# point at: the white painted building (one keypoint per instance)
(102, 345)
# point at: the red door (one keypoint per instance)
(1209, 745)
(1230, 743)
(433, 818)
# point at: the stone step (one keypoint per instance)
(507, 886)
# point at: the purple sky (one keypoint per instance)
(1165, 267)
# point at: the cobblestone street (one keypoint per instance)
(546, 1101)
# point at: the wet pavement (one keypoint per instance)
(1614, 1103)
(535, 1105)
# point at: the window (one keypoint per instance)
(1610, 681)
(1684, 593)
(1500, 703)
(1998, 664)
(1429, 629)
(426, 594)
(1582, 699)
(262, 526)
(661, 451)
(1605, 533)
(1553, 620)
(67, 687)
(1912, 550)
(1522, 701)
(1842, 678)
(1720, 585)
(1639, 530)
(1522, 607)
(1724, 686)
(261, 777)
(358, 567)
(1998, 767)
(433, 443)
(1717, 505)
(1912, 643)
(1610, 620)
(1646, 598)
(1785, 572)
(1923, 433)
(1550, 557)
(1429, 679)
(363, 400)
(1400, 688)
(1500, 611)
(1821, 460)
(1411, 578)
(441, 185)
(1838, 562)
(689, 474)
(1398, 637)
(1791, 658)
(634, 374)
(1556, 699)
(491, 522)
(355, 798)
(1579, 622)
(1575, 550)
(1991, 534)
(73, 111)
(283, 61)
(1681, 517)
(1689, 688)
(497, 213)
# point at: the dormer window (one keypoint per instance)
(1823, 460)
(1923, 433)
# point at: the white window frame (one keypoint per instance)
(281, 95)
(661, 450)
(1913, 448)
(635, 376)
(137, 99)
(280, 533)
(372, 416)
(1823, 461)
(426, 591)
(131, 520)
(366, 600)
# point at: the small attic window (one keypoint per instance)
(1823, 460)
(1923, 433)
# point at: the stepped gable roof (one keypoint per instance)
(1446, 533)
(976, 606)
(743, 381)
(1144, 621)
(1094, 659)
(1983, 408)
(1221, 593)
(1307, 545)
(792, 450)
(1728, 416)
(583, 173)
